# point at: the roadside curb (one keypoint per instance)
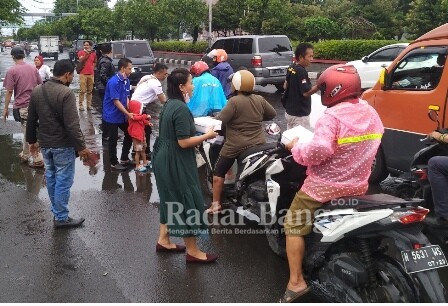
(312, 74)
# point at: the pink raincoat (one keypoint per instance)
(340, 156)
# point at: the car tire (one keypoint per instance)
(379, 169)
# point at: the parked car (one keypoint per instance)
(139, 52)
(77, 45)
(266, 56)
(369, 67)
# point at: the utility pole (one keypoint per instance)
(210, 3)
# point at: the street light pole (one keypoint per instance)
(210, 2)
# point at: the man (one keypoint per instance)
(222, 69)
(148, 90)
(208, 95)
(115, 115)
(106, 70)
(298, 88)
(338, 161)
(53, 112)
(86, 76)
(21, 79)
(438, 178)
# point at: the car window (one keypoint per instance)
(421, 69)
(137, 50)
(387, 55)
(227, 45)
(274, 44)
(117, 50)
(245, 45)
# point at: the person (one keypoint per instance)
(106, 70)
(53, 112)
(298, 88)
(222, 69)
(136, 130)
(44, 70)
(21, 80)
(115, 101)
(339, 159)
(174, 165)
(209, 95)
(242, 117)
(149, 89)
(438, 178)
(86, 76)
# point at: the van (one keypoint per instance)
(416, 79)
(139, 52)
(49, 46)
(266, 56)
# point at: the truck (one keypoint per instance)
(49, 46)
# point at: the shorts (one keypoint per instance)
(222, 166)
(139, 146)
(300, 216)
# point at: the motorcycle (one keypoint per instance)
(362, 249)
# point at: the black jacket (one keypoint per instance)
(105, 70)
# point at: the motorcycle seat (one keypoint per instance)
(370, 202)
(256, 149)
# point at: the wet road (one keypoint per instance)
(112, 257)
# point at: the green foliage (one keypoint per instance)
(10, 12)
(319, 28)
(425, 15)
(180, 46)
(347, 50)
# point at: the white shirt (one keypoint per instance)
(45, 73)
(147, 90)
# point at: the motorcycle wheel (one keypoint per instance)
(394, 288)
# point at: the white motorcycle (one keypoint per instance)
(362, 249)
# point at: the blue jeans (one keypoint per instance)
(438, 178)
(59, 173)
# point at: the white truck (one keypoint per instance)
(49, 46)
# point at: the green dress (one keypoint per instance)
(175, 169)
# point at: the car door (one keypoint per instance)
(412, 85)
(369, 69)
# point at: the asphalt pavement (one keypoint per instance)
(112, 257)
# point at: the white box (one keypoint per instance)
(203, 124)
(299, 131)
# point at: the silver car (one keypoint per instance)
(266, 56)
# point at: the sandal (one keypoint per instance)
(290, 296)
(215, 208)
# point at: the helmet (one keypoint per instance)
(243, 80)
(272, 129)
(337, 83)
(198, 68)
(17, 50)
(218, 55)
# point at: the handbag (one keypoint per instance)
(53, 110)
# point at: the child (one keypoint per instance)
(136, 130)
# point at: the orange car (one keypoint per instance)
(416, 79)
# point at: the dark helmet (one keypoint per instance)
(17, 50)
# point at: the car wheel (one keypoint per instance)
(379, 169)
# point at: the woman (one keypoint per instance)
(44, 70)
(176, 172)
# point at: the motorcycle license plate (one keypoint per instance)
(423, 259)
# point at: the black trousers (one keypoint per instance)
(112, 129)
(101, 93)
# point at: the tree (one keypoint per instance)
(425, 15)
(96, 23)
(227, 15)
(320, 28)
(11, 12)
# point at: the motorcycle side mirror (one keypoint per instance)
(273, 129)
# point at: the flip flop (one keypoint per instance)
(290, 296)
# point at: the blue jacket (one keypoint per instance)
(208, 96)
(117, 88)
(222, 71)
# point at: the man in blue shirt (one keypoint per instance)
(115, 114)
(208, 94)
